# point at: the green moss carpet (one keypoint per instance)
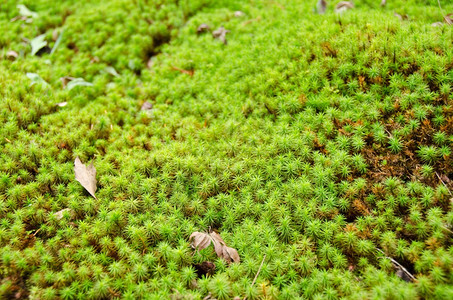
(317, 146)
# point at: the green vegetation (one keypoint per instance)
(321, 143)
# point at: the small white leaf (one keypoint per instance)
(37, 44)
(36, 79)
(25, 12)
(112, 71)
(77, 82)
(62, 104)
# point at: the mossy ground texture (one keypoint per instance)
(322, 143)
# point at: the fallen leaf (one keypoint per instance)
(86, 176)
(36, 79)
(111, 71)
(202, 240)
(239, 14)
(321, 6)
(203, 28)
(383, 2)
(37, 44)
(77, 82)
(343, 6)
(401, 17)
(59, 214)
(220, 34)
(448, 18)
(147, 106)
(62, 104)
(25, 12)
(437, 24)
(12, 54)
(57, 43)
(65, 80)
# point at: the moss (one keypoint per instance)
(311, 139)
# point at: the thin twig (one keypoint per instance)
(440, 8)
(443, 184)
(398, 264)
(257, 273)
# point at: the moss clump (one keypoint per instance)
(320, 141)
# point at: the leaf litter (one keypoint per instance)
(37, 44)
(86, 176)
(202, 240)
(220, 34)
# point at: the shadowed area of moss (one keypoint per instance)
(320, 142)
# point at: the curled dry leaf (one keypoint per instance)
(86, 176)
(146, 106)
(448, 19)
(12, 54)
(202, 240)
(343, 6)
(220, 34)
(401, 17)
(321, 7)
(62, 104)
(203, 28)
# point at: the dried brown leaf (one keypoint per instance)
(146, 106)
(203, 28)
(12, 54)
(201, 240)
(230, 254)
(343, 6)
(321, 6)
(86, 176)
(448, 18)
(220, 34)
(401, 17)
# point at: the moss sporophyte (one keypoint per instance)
(308, 141)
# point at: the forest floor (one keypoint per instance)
(176, 149)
